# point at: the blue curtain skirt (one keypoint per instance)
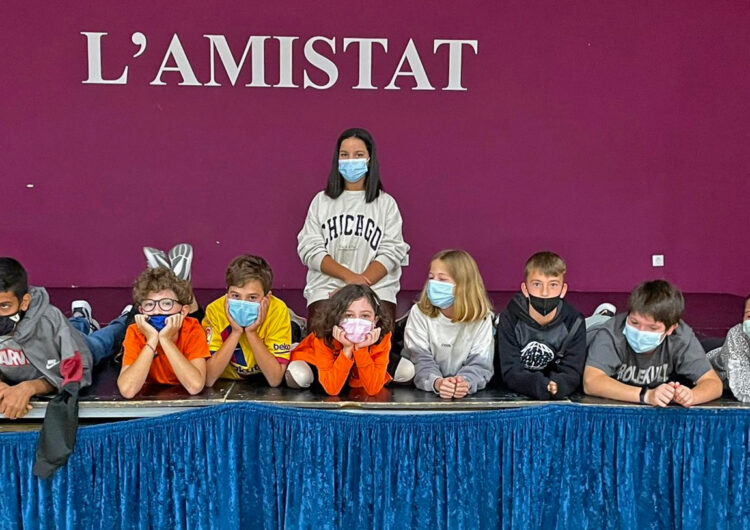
(248, 465)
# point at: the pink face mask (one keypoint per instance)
(356, 329)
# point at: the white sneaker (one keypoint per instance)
(126, 310)
(156, 258)
(81, 308)
(601, 315)
(181, 259)
(606, 309)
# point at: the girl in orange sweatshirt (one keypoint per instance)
(349, 343)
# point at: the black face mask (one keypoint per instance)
(543, 306)
(8, 323)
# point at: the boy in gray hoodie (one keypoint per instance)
(40, 350)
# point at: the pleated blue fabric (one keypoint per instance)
(248, 465)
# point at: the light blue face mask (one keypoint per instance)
(642, 341)
(746, 327)
(353, 169)
(440, 293)
(243, 312)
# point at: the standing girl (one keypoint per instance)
(350, 342)
(448, 335)
(352, 233)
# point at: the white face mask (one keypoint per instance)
(356, 329)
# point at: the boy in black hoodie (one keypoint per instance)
(541, 339)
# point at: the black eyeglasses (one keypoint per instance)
(165, 304)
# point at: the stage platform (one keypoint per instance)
(247, 464)
(103, 401)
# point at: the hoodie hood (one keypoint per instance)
(27, 325)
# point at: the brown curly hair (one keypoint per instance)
(161, 279)
(334, 309)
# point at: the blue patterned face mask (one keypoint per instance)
(158, 321)
(243, 312)
(440, 293)
(746, 327)
(642, 341)
(353, 169)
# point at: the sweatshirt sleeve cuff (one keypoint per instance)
(363, 357)
(431, 383)
(316, 261)
(343, 360)
(387, 262)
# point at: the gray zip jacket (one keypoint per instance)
(48, 339)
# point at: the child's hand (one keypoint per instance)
(236, 328)
(340, 335)
(462, 387)
(682, 395)
(357, 279)
(172, 327)
(144, 327)
(14, 401)
(660, 396)
(262, 312)
(370, 339)
(446, 387)
(552, 387)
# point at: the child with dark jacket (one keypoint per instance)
(541, 339)
(41, 351)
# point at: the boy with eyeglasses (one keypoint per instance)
(164, 345)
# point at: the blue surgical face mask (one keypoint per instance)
(440, 293)
(642, 341)
(746, 327)
(158, 321)
(243, 312)
(353, 169)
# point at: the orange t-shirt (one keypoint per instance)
(366, 369)
(191, 341)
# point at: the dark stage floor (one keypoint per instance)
(102, 401)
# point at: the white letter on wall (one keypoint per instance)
(365, 60)
(232, 68)
(417, 70)
(455, 47)
(320, 62)
(94, 51)
(182, 65)
(285, 62)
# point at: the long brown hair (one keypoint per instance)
(335, 307)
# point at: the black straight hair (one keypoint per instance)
(13, 278)
(335, 186)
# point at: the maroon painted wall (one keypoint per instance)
(607, 131)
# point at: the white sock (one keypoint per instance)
(404, 371)
(301, 373)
